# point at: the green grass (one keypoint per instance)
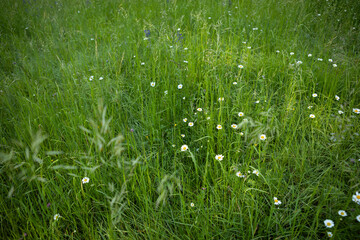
(58, 127)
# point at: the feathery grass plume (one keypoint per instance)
(166, 188)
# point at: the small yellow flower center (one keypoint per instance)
(342, 213)
(358, 196)
(276, 200)
(328, 223)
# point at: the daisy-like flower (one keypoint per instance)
(329, 234)
(199, 109)
(356, 110)
(191, 124)
(192, 204)
(240, 66)
(342, 213)
(183, 135)
(277, 51)
(240, 114)
(241, 134)
(166, 92)
(256, 172)
(183, 98)
(248, 47)
(91, 78)
(101, 78)
(277, 201)
(219, 157)
(257, 101)
(57, 216)
(234, 83)
(180, 86)
(152, 84)
(337, 97)
(219, 127)
(356, 197)
(312, 116)
(328, 223)
(262, 137)
(85, 180)
(309, 55)
(186, 61)
(221, 99)
(185, 48)
(240, 175)
(320, 59)
(310, 107)
(142, 64)
(185, 119)
(314, 95)
(299, 62)
(292, 53)
(234, 126)
(358, 218)
(184, 148)
(334, 65)
(330, 60)
(208, 118)
(340, 112)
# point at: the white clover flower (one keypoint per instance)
(219, 157)
(276, 201)
(309, 55)
(219, 127)
(152, 84)
(356, 110)
(234, 126)
(340, 112)
(328, 223)
(256, 172)
(292, 53)
(191, 124)
(330, 60)
(358, 218)
(56, 217)
(329, 234)
(240, 114)
(240, 66)
(337, 97)
(334, 65)
(91, 78)
(342, 213)
(240, 175)
(85, 180)
(192, 204)
(184, 148)
(314, 95)
(312, 116)
(262, 137)
(199, 109)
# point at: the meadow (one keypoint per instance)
(174, 119)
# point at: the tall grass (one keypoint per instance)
(77, 101)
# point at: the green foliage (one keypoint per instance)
(76, 101)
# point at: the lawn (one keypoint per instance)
(175, 119)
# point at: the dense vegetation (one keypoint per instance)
(169, 119)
